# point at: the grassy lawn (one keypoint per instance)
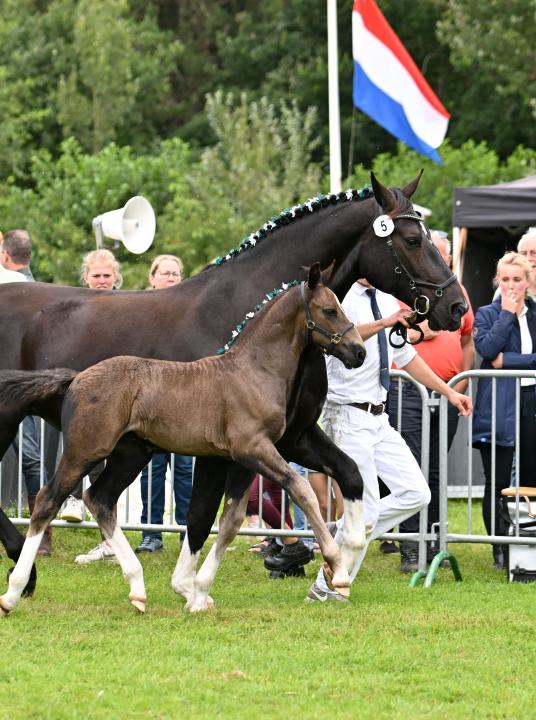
(78, 649)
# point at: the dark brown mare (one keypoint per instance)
(230, 406)
(46, 326)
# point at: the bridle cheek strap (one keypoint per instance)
(334, 338)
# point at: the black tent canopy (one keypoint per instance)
(489, 220)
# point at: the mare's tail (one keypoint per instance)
(25, 387)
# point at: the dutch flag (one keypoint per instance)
(390, 88)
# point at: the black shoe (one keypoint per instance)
(409, 557)
(291, 556)
(388, 547)
(499, 561)
(293, 572)
(272, 549)
(431, 552)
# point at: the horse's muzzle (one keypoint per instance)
(456, 312)
(354, 356)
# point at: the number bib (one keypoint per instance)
(383, 226)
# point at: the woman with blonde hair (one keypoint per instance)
(165, 271)
(505, 337)
(101, 271)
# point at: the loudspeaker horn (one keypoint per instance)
(134, 225)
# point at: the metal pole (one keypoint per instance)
(334, 110)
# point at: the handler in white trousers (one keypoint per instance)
(354, 417)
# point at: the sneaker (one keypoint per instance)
(101, 552)
(73, 511)
(316, 594)
(409, 557)
(150, 543)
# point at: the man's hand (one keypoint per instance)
(498, 362)
(401, 316)
(462, 402)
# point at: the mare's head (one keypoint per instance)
(400, 258)
(327, 324)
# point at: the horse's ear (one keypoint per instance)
(384, 197)
(412, 186)
(327, 273)
(314, 276)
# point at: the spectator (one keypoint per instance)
(354, 417)
(505, 337)
(447, 354)
(100, 271)
(165, 271)
(527, 247)
(15, 257)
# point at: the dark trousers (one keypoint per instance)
(503, 463)
(182, 490)
(411, 431)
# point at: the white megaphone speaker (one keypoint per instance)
(134, 225)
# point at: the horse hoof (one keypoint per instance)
(4, 611)
(199, 606)
(344, 590)
(138, 602)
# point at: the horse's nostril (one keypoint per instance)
(361, 355)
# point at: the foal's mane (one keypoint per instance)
(252, 313)
(289, 215)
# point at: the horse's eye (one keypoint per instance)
(330, 312)
(414, 241)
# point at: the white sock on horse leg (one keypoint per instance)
(21, 572)
(183, 578)
(130, 565)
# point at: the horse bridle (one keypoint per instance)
(421, 306)
(334, 338)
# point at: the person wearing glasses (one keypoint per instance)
(527, 247)
(165, 271)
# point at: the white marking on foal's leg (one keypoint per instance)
(353, 537)
(131, 567)
(203, 581)
(21, 573)
(182, 580)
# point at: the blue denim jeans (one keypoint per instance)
(300, 521)
(182, 489)
(31, 455)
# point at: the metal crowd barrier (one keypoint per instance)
(445, 534)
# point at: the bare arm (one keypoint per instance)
(367, 330)
(468, 361)
(420, 371)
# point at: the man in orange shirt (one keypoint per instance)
(447, 354)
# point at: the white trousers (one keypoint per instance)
(378, 449)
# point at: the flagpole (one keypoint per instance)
(334, 110)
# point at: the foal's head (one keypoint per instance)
(328, 325)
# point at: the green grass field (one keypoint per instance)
(79, 650)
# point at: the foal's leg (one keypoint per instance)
(207, 491)
(47, 503)
(236, 500)
(317, 451)
(274, 467)
(122, 467)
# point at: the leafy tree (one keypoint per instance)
(471, 164)
(70, 191)
(260, 164)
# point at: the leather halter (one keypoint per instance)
(334, 338)
(421, 305)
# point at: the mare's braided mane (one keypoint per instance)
(293, 213)
(251, 314)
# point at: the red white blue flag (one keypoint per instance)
(390, 88)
